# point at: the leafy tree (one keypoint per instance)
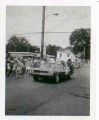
(52, 49)
(20, 44)
(80, 39)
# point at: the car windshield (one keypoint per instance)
(51, 60)
(42, 64)
(58, 66)
(46, 65)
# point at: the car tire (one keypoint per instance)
(35, 78)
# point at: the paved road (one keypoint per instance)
(68, 98)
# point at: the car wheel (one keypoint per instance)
(57, 79)
(35, 78)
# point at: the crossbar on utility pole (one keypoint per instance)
(43, 29)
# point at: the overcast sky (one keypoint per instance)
(28, 19)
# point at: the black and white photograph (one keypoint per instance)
(48, 60)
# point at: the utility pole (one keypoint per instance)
(28, 48)
(43, 28)
(84, 52)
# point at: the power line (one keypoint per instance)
(36, 33)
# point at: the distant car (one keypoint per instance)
(55, 72)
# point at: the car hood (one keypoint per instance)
(42, 68)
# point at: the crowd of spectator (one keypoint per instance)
(22, 66)
(19, 66)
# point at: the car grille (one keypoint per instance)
(38, 71)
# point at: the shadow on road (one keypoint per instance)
(52, 82)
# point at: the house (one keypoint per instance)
(64, 54)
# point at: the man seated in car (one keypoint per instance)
(71, 66)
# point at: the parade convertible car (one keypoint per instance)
(48, 71)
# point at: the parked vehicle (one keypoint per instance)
(51, 71)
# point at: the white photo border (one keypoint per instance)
(94, 12)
